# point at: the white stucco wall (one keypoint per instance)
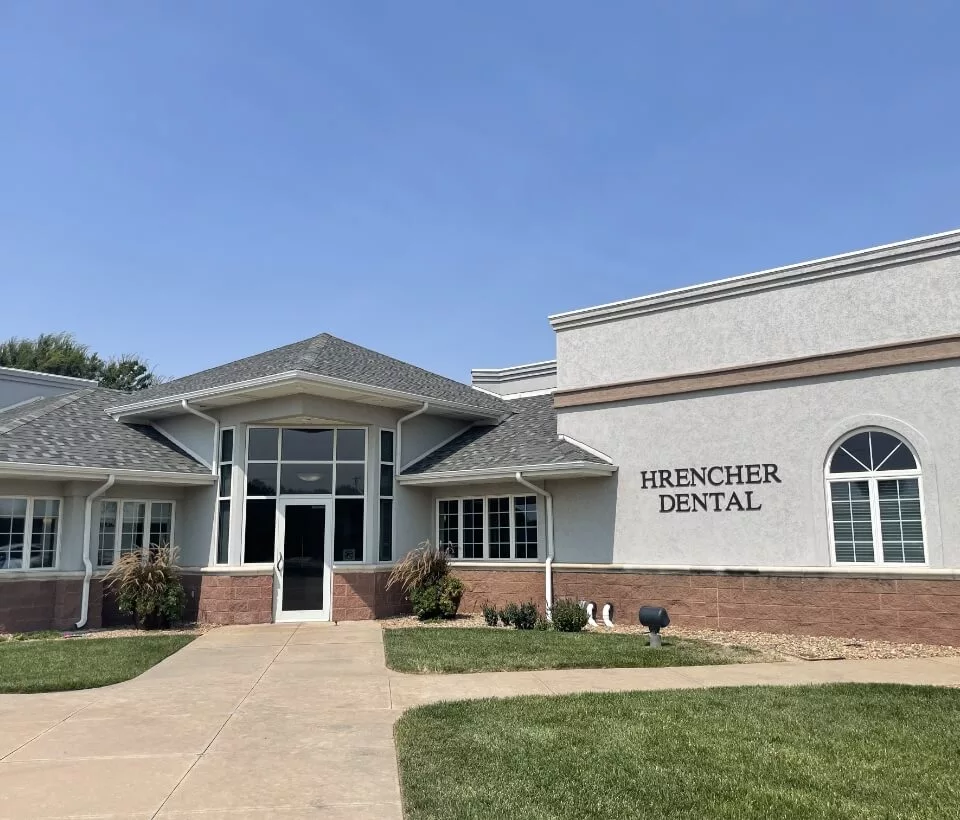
(792, 425)
(901, 303)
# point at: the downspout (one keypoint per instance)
(87, 563)
(399, 456)
(214, 468)
(548, 565)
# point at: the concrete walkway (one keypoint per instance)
(290, 722)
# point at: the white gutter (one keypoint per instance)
(399, 455)
(566, 469)
(87, 563)
(214, 468)
(548, 565)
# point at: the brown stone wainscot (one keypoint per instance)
(891, 609)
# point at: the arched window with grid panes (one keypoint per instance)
(876, 508)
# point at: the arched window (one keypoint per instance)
(876, 514)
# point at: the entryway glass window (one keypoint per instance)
(285, 461)
(29, 528)
(498, 527)
(224, 493)
(876, 510)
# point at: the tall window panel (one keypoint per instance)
(498, 526)
(525, 526)
(224, 495)
(473, 528)
(875, 492)
(387, 470)
(448, 533)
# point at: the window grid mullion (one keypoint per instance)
(875, 516)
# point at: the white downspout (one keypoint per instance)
(87, 563)
(399, 456)
(214, 468)
(548, 565)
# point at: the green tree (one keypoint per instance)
(62, 354)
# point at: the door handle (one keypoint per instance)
(280, 563)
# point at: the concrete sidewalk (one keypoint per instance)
(291, 721)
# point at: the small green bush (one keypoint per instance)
(440, 599)
(490, 614)
(509, 614)
(542, 624)
(568, 615)
(526, 617)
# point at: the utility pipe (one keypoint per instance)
(548, 565)
(399, 456)
(87, 563)
(215, 469)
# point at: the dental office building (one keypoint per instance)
(778, 451)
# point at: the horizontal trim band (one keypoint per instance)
(831, 364)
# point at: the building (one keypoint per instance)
(776, 451)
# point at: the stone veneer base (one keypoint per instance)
(891, 609)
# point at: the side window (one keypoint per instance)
(874, 489)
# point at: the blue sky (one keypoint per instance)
(195, 182)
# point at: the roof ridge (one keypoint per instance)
(308, 356)
(40, 412)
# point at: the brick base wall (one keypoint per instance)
(362, 596)
(229, 599)
(894, 609)
(28, 606)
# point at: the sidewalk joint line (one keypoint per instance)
(224, 724)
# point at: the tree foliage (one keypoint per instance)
(62, 354)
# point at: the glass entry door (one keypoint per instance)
(302, 582)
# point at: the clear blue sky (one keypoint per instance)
(195, 182)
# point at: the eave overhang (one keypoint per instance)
(565, 470)
(291, 383)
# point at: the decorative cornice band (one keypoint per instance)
(900, 253)
(831, 364)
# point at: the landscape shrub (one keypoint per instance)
(490, 614)
(509, 614)
(542, 624)
(568, 615)
(424, 575)
(526, 617)
(148, 586)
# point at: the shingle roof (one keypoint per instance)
(327, 355)
(526, 438)
(74, 430)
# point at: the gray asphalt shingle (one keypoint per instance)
(75, 431)
(526, 438)
(327, 355)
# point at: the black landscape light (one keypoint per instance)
(654, 618)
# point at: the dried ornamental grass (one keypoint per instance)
(420, 567)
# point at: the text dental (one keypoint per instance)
(726, 475)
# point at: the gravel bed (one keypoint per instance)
(109, 632)
(772, 646)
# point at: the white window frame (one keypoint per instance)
(28, 533)
(147, 515)
(392, 498)
(365, 496)
(872, 477)
(486, 526)
(220, 497)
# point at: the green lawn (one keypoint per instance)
(452, 649)
(846, 752)
(80, 663)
